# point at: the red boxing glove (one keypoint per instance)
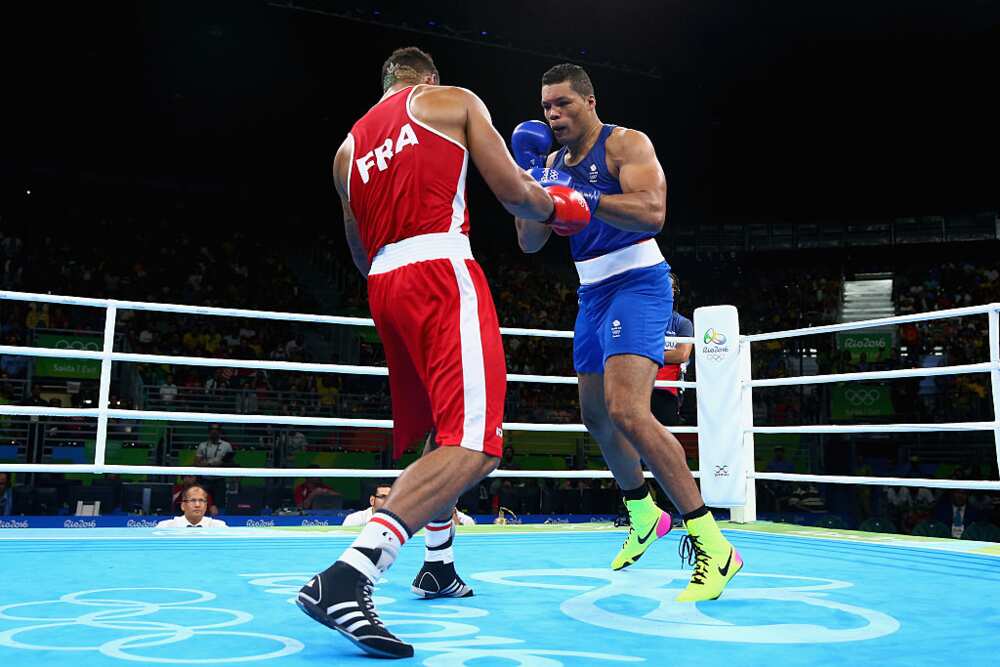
(570, 212)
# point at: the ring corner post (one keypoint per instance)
(720, 396)
(994, 341)
(104, 396)
(748, 512)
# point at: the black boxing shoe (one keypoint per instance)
(440, 580)
(340, 598)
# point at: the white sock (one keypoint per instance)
(438, 537)
(384, 531)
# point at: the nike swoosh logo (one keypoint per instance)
(642, 540)
(725, 570)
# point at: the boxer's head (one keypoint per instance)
(568, 102)
(409, 65)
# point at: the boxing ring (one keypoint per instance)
(544, 594)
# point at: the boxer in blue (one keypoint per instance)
(625, 305)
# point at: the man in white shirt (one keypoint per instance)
(213, 452)
(377, 499)
(194, 502)
(168, 390)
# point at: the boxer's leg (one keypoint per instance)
(628, 379)
(647, 522)
(437, 577)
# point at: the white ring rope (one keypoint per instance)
(984, 367)
(876, 428)
(61, 353)
(878, 322)
(916, 482)
(289, 420)
(107, 356)
(254, 314)
(290, 472)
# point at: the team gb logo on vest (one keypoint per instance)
(380, 156)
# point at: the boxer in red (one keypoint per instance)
(401, 177)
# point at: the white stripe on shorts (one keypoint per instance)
(473, 365)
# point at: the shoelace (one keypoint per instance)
(691, 552)
(631, 530)
(368, 605)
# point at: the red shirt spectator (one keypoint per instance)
(307, 491)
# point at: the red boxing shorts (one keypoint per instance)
(435, 315)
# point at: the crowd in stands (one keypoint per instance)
(176, 264)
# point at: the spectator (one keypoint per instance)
(13, 365)
(778, 463)
(928, 386)
(214, 452)
(955, 511)
(308, 492)
(898, 503)
(499, 483)
(35, 398)
(376, 500)
(781, 492)
(6, 495)
(168, 390)
(922, 501)
(808, 499)
(194, 502)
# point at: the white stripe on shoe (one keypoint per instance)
(354, 626)
(342, 620)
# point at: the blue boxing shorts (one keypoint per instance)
(624, 314)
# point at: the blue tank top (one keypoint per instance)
(598, 238)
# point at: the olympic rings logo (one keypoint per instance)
(77, 345)
(687, 621)
(131, 610)
(713, 337)
(863, 397)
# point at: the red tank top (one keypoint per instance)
(405, 178)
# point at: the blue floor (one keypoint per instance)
(114, 596)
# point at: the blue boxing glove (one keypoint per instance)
(530, 143)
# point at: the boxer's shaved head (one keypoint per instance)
(408, 65)
(575, 75)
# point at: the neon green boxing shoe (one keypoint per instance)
(641, 534)
(715, 560)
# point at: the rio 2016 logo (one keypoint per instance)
(713, 337)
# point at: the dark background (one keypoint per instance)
(798, 111)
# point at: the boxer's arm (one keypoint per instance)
(642, 206)
(341, 171)
(516, 191)
(532, 236)
(679, 354)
